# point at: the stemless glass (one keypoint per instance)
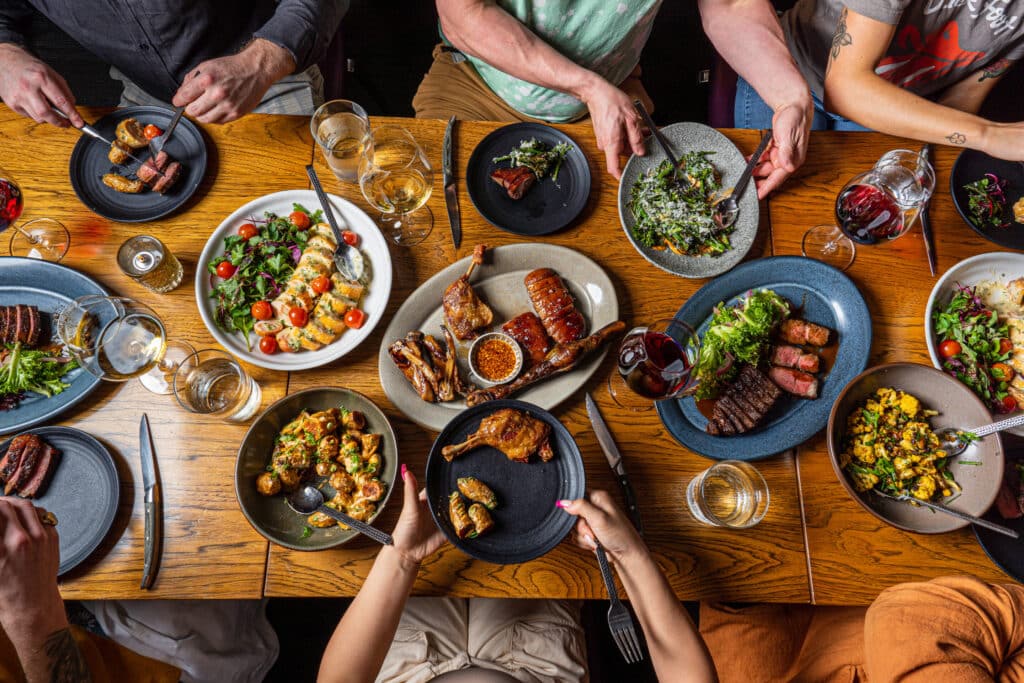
(342, 129)
(43, 238)
(212, 382)
(730, 494)
(879, 205)
(397, 179)
(118, 339)
(655, 363)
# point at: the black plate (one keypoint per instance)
(972, 165)
(527, 523)
(547, 206)
(89, 164)
(83, 493)
(49, 287)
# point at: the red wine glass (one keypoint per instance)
(655, 363)
(42, 238)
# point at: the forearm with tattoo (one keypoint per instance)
(957, 139)
(65, 659)
(840, 39)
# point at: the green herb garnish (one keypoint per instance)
(538, 156)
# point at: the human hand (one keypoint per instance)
(226, 88)
(617, 126)
(791, 126)
(416, 536)
(30, 87)
(602, 520)
(29, 558)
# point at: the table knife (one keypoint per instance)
(93, 133)
(611, 452)
(156, 145)
(926, 223)
(451, 197)
(152, 504)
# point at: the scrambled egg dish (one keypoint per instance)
(890, 446)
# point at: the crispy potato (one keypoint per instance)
(118, 182)
(130, 132)
(267, 484)
(118, 153)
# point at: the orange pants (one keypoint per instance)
(950, 629)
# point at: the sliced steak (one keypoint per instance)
(12, 458)
(3, 324)
(796, 331)
(787, 356)
(10, 324)
(516, 181)
(34, 326)
(27, 466)
(20, 323)
(795, 382)
(743, 405)
(754, 392)
(40, 479)
(736, 415)
(168, 179)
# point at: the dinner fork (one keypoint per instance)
(619, 621)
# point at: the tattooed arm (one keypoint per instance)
(31, 609)
(855, 91)
(969, 94)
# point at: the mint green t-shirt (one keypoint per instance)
(604, 36)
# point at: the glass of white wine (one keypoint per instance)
(118, 339)
(397, 179)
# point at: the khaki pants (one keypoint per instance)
(534, 641)
(451, 88)
(950, 629)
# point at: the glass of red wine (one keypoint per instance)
(42, 238)
(654, 364)
(876, 206)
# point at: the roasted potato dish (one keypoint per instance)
(118, 182)
(131, 133)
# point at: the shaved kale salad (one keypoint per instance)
(676, 210)
(539, 157)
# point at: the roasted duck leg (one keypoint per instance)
(512, 432)
(464, 313)
(561, 359)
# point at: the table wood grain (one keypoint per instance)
(854, 556)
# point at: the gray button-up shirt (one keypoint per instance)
(157, 42)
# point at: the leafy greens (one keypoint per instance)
(538, 156)
(38, 371)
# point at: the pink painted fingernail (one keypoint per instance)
(405, 470)
(561, 504)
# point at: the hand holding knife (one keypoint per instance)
(611, 452)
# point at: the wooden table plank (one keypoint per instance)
(209, 548)
(766, 563)
(853, 556)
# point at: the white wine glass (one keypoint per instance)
(397, 180)
(118, 339)
(42, 238)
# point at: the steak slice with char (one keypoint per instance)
(27, 465)
(3, 324)
(795, 382)
(40, 479)
(12, 458)
(743, 405)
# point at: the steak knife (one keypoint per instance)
(451, 197)
(152, 504)
(926, 223)
(611, 452)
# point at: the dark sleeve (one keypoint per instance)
(303, 27)
(14, 18)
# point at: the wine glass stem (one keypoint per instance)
(29, 237)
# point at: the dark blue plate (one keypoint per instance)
(83, 492)
(822, 295)
(547, 206)
(48, 286)
(972, 165)
(1007, 553)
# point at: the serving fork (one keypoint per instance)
(620, 623)
(984, 523)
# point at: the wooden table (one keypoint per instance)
(211, 551)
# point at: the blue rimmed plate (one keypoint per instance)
(820, 294)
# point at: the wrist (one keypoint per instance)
(35, 623)
(588, 87)
(987, 137)
(405, 563)
(269, 59)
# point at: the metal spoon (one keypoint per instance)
(662, 140)
(310, 499)
(992, 526)
(726, 207)
(347, 258)
(954, 445)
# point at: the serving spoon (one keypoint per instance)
(954, 445)
(310, 499)
(662, 140)
(726, 206)
(992, 526)
(347, 258)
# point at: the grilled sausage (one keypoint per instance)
(130, 133)
(461, 522)
(555, 306)
(118, 182)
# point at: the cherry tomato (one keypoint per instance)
(268, 345)
(151, 132)
(1005, 346)
(1009, 404)
(247, 231)
(355, 318)
(1001, 372)
(950, 348)
(298, 317)
(350, 237)
(299, 219)
(261, 310)
(321, 284)
(225, 269)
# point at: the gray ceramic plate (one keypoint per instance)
(958, 407)
(683, 138)
(270, 515)
(499, 282)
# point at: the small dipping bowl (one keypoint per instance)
(495, 358)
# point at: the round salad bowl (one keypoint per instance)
(978, 471)
(376, 256)
(993, 266)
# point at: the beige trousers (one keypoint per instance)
(534, 641)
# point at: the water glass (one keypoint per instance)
(729, 494)
(146, 260)
(342, 130)
(212, 382)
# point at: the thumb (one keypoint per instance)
(411, 494)
(582, 508)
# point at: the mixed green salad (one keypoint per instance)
(539, 157)
(258, 266)
(737, 334)
(986, 201)
(677, 210)
(974, 346)
(40, 371)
